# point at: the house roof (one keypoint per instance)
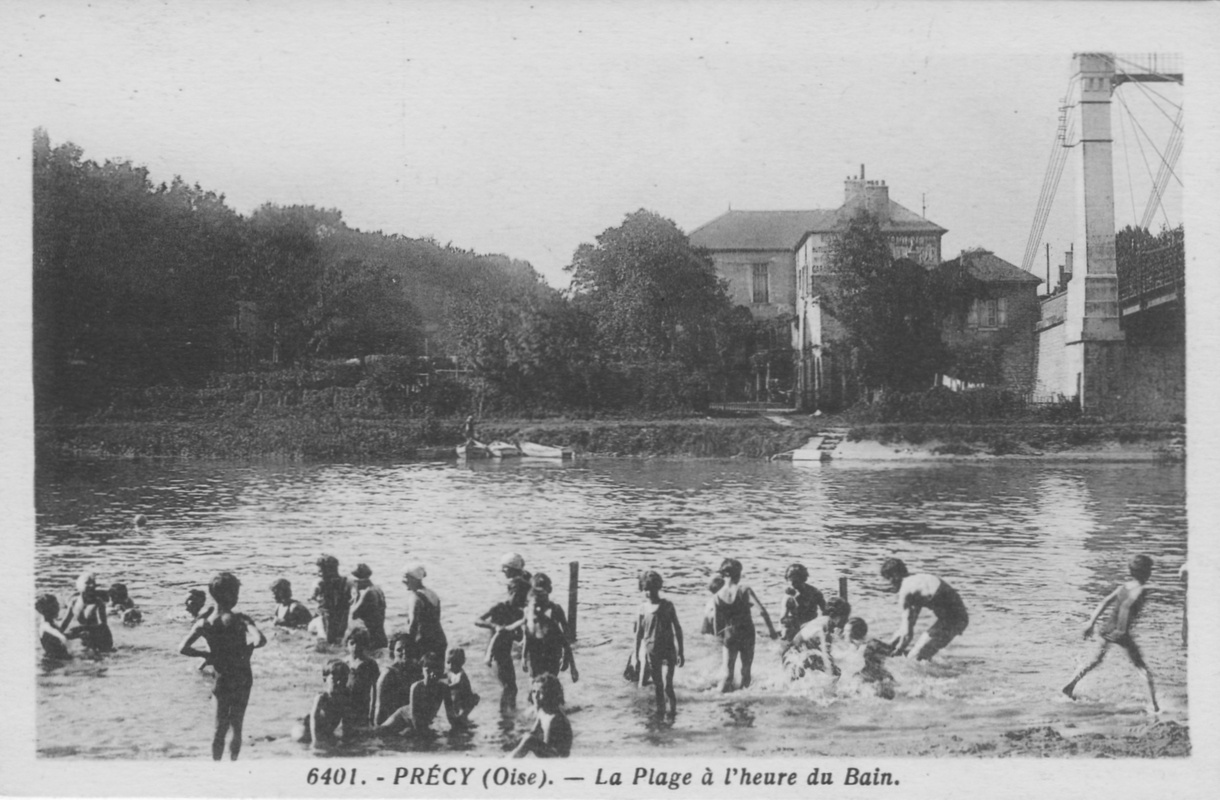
(785, 230)
(760, 230)
(990, 268)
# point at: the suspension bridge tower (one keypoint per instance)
(1094, 341)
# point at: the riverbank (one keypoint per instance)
(305, 437)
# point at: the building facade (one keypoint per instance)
(776, 263)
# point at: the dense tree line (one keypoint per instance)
(139, 285)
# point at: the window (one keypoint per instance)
(989, 313)
(762, 292)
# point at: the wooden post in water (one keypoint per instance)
(573, 586)
(843, 586)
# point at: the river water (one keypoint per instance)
(1030, 547)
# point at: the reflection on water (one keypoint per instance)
(1031, 548)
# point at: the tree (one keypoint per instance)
(890, 309)
(653, 295)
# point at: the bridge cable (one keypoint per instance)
(1127, 161)
(1145, 158)
(1151, 142)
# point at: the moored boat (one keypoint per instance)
(532, 450)
(500, 449)
(473, 449)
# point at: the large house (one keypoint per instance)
(776, 264)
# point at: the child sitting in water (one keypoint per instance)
(289, 613)
(461, 698)
(551, 736)
(811, 646)
(122, 606)
(803, 604)
(427, 697)
(394, 686)
(658, 641)
(86, 617)
(54, 643)
(321, 725)
(874, 653)
(362, 679)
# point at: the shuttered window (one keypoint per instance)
(762, 291)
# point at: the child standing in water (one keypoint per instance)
(810, 648)
(658, 641)
(735, 623)
(551, 736)
(226, 633)
(803, 604)
(333, 596)
(503, 620)
(54, 643)
(1128, 600)
(546, 649)
(368, 606)
(289, 613)
(86, 617)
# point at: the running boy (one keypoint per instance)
(551, 736)
(226, 633)
(289, 613)
(1128, 600)
(915, 593)
(658, 641)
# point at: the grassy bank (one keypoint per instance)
(304, 435)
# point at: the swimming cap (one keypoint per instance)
(512, 561)
(361, 571)
(417, 572)
(542, 582)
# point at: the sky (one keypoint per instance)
(528, 128)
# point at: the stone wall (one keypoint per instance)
(1152, 383)
(737, 268)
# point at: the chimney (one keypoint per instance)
(877, 200)
(1068, 258)
(854, 190)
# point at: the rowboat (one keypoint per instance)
(532, 450)
(473, 449)
(501, 449)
